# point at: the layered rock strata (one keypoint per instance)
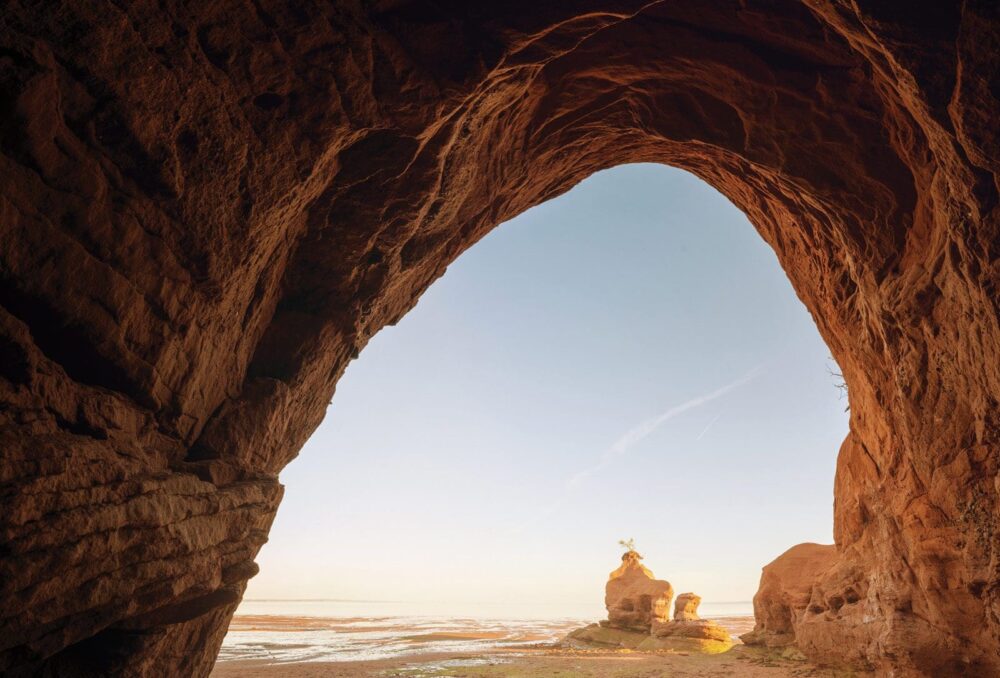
(634, 598)
(686, 607)
(786, 587)
(208, 209)
(688, 631)
(638, 607)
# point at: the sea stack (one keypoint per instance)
(639, 616)
(634, 597)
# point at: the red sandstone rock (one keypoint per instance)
(688, 631)
(638, 616)
(786, 585)
(686, 607)
(715, 637)
(635, 599)
(207, 209)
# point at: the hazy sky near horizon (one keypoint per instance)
(626, 360)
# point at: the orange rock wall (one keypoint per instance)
(208, 208)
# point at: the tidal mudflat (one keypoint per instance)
(542, 662)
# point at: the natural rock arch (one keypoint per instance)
(208, 208)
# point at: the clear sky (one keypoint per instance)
(626, 360)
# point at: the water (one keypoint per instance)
(340, 630)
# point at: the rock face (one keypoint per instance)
(698, 635)
(688, 631)
(638, 616)
(209, 208)
(604, 636)
(686, 607)
(786, 586)
(634, 597)
(702, 636)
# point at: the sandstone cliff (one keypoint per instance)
(208, 208)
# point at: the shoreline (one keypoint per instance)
(410, 648)
(539, 661)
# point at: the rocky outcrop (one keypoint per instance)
(702, 636)
(604, 636)
(689, 632)
(209, 208)
(698, 635)
(686, 607)
(786, 586)
(634, 598)
(639, 616)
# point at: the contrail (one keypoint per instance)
(705, 430)
(636, 434)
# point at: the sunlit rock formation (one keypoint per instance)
(786, 586)
(604, 636)
(208, 209)
(686, 606)
(635, 598)
(638, 616)
(688, 631)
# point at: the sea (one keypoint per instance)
(357, 630)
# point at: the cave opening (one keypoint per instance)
(516, 399)
(209, 213)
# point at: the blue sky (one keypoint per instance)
(626, 360)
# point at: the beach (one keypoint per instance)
(538, 662)
(316, 643)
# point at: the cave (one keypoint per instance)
(209, 208)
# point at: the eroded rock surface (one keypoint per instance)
(686, 606)
(701, 636)
(696, 635)
(689, 632)
(602, 635)
(209, 208)
(786, 585)
(634, 598)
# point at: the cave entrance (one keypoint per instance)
(628, 359)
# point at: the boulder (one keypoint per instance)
(603, 636)
(686, 606)
(786, 585)
(701, 635)
(687, 631)
(634, 597)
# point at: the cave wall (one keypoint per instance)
(208, 208)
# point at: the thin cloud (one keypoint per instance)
(705, 430)
(637, 434)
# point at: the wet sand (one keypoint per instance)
(540, 662)
(276, 646)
